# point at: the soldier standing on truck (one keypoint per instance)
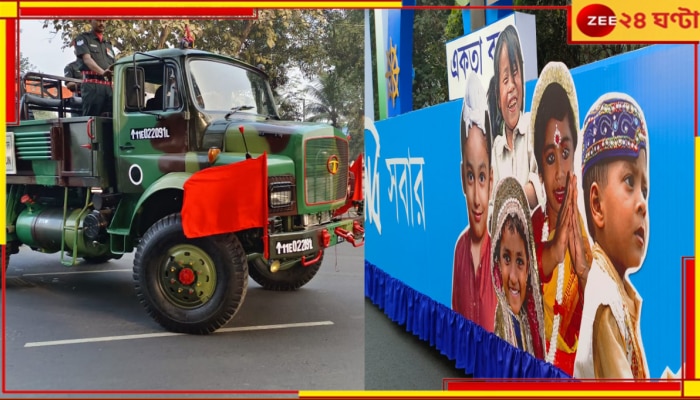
(96, 54)
(72, 70)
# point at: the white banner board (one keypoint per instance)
(475, 52)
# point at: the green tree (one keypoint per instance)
(345, 52)
(25, 65)
(552, 36)
(430, 33)
(269, 41)
(327, 101)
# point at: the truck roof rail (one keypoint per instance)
(39, 91)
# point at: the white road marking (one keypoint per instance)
(169, 334)
(79, 272)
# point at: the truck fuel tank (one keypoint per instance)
(42, 228)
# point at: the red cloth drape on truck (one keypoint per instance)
(356, 169)
(225, 199)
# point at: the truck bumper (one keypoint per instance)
(315, 239)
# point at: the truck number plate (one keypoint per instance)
(295, 246)
(10, 162)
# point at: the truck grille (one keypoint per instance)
(320, 185)
(33, 145)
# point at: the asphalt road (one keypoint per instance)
(310, 339)
(398, 360)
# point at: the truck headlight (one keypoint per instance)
(280, 194)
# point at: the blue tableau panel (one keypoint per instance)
(415, 206)
(414, 203)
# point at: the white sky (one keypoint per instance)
(43, 48)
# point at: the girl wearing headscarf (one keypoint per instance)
(514, 273)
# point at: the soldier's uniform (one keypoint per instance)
(96, 90)
(72, 70)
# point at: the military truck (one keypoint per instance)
(93, 188)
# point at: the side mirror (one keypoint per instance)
(135, 86)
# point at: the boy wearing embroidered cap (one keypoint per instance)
(472, 291)
(615, 184)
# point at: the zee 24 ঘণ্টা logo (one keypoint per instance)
(596, 20)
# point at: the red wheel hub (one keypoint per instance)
(186, 276)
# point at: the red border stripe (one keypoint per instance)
(192, 12)
(690, 317)
(11, 68)
(566, 386)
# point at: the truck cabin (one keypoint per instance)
(195, 88)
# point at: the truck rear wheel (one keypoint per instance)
(286, 279)
(11, 247)
(189, 285)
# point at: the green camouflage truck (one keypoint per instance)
(95, 188)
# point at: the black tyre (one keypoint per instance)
(285, 279)
(10, 248)
(189, 285)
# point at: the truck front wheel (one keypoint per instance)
(285, 279)
(189, 285)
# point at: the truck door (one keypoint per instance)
(152, 140)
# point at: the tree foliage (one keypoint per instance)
(25, 65)
(326, 100)
(552, 36)
(273, 41)
(429, 63)
(336, 96)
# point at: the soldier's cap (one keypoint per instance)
(614, 127)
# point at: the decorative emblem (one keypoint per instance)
(392, 73)
(333, 164)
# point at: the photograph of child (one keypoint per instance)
(616, 189)
(512, 144)
(472, 291)
(562, 243)
(514, 273)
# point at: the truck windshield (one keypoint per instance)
(222, 87)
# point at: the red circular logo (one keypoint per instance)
(596, 20)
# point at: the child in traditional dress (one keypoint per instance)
(512, 145)
(562, 244)
(615, 184)
(518, 317)
(472, 291)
